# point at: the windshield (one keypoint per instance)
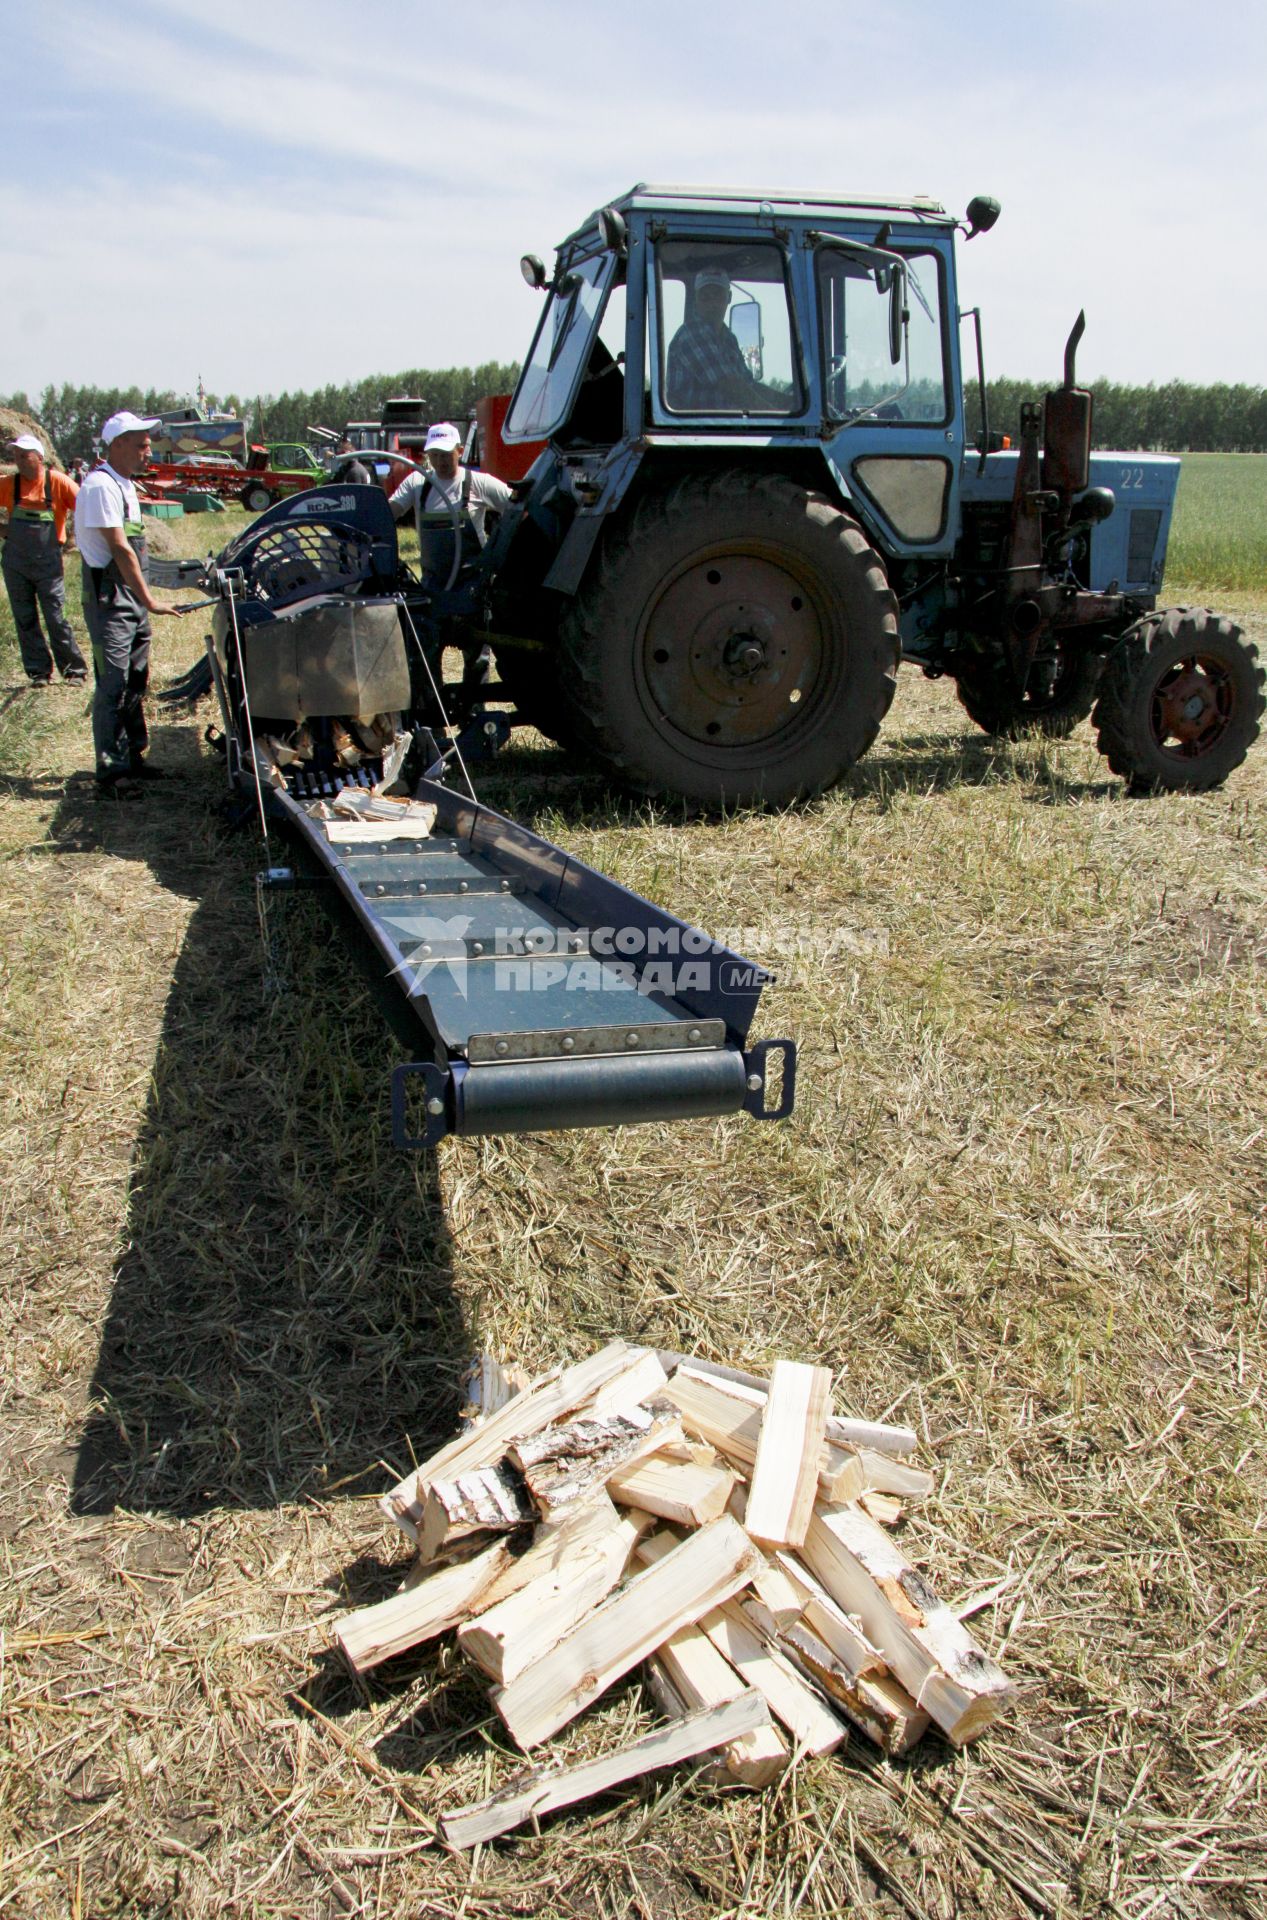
(559, 351)
(859, 374)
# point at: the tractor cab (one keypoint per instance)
(682, 323)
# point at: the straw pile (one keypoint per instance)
(12, 424)
(729, 1531)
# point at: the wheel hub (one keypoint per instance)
(743, 655)
(1192, 705)
(731, 648)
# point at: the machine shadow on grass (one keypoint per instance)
(542, 785)
(282, 1317)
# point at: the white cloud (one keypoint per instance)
(352, 187)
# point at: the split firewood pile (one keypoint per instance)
(729, 1531)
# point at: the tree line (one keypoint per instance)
(72, 416)
(1177, 417)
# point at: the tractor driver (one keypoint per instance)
(707, 372)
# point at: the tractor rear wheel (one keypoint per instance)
(735, 643)
(1059, 696)
(1180, 702)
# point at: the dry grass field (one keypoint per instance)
(1022, 1205)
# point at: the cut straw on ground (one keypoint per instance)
(1020, 1210)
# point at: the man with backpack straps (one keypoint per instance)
(449, 483)
(37, 501)
(461, 492)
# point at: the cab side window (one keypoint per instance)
(727, 343)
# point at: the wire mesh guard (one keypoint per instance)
(292, 562)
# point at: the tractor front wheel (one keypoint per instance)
(256, 499)
(1180, 702)
(735, 643)
(1058, 697)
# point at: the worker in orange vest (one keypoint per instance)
(34, 502)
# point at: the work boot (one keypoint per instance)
(117, 786)
(140, 769)
(39, 680)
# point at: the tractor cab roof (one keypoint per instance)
(752, 202)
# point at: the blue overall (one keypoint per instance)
(119, 628)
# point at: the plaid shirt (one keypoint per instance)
(707, 370)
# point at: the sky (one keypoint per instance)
(277, 194)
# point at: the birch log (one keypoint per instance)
(935, 1658)
(564, 1463)
(557, 1394)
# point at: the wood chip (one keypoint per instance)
(704, 1570)
(785, 1472)
(546, 1789)
(374, 1634)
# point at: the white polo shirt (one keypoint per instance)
(105, 499)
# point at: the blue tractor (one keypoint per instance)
(756, 493)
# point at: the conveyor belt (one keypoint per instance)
(540, 994)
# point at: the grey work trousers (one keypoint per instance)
(34, 583)
(119, 628)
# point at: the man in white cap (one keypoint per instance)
(110, 535)
(35, 502)
(706, 371)
(449, 483)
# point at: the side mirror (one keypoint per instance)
(744, 322)
(983, 211)
(614, 231)
(897, 314)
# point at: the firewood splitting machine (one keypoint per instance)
(532, 992)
